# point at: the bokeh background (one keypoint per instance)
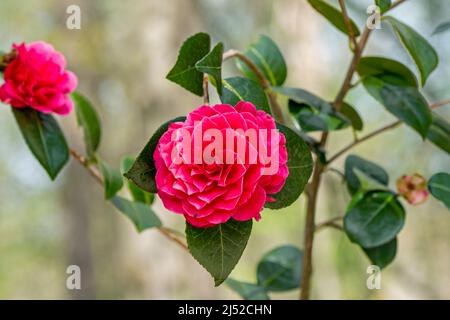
(121, 56)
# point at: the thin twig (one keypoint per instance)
(85, 163)
(399, 2)
(348, 24)
(330, 223)
(94, 173)
(168, 233)
(275, 107)
(379, 131)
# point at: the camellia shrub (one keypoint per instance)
(220, 165)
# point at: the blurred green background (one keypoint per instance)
(121, 56)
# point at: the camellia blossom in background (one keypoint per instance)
(413, 188)
(211, 194)
(37, 78)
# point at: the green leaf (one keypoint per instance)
(113, 180)
(406, 103)
(139, 213)
(390, 71)
(184, 71)
(237, 89)
(439, 133)
(300, 169)
(439, 186)
(269, 59)
(383, 4)
(350, 113)
(382, 255)
(88, 119)
(370, 169)
(311, 112)
(312, 119)
(281, 269)
(375, 219)
(334, 16)
(138, 194)
(418, 47)
(212, 65)
(44, 138)
(248, 291)
(143, 171)
(394, 86)
(442, 28)
(219, 248)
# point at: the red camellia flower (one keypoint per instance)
(37, 78)
(413, 188)
(222, 162)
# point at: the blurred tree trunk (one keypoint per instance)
(78, 245)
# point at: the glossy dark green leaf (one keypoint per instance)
(382, 255)
(137, 193)
(246, 290)
(334, 16)
(212, 65)
(390, 71)
(418, 47)
(445, 26)
(44, 138)
(439, 133)
(184, 71)
(395, 87)
(300, 169)
(237, 89)
(312, 112)
(350, 113)
(112, 178)
(143, 171)
(406, 103)
(139, 213)
(384, 5)
(88, 119)
(439, 186)
(269, 59)
(219, 248)
(281, 269)
(372, 170)
(375, 219)
(312, 119)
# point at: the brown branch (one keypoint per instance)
(395, 4)
(330, 223)
(348, 24)
(366, 137)
(96, 175)
(319, 168)
(275, 107)
(85, 163)
(170, 235)
(379, 131)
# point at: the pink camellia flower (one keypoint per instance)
(37, 78)
(413, 188)
(211, 185)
